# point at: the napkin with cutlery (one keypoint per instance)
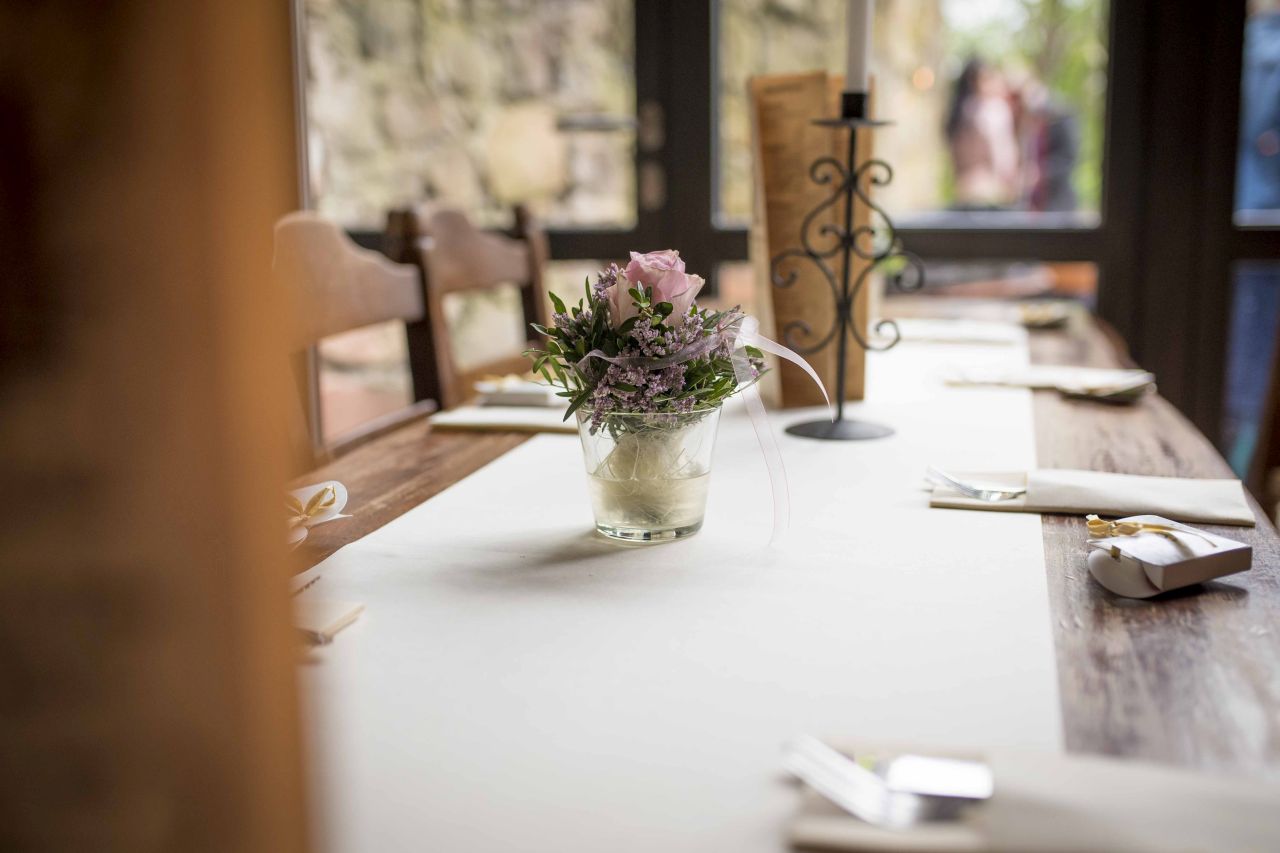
(509, 404)
(506, 419)
(1079, 492)
(319, 619)
(1080, 381)
(512, 390)
(959, 331)
(1043, 802)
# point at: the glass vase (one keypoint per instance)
(648, 473)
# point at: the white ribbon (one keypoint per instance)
(749, 335)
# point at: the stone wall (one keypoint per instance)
(463, 101)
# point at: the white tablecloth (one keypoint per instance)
(518, 683)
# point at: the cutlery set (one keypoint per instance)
(895, 794)
(988, 492)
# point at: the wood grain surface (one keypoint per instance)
(1191, 678)
(391, 475)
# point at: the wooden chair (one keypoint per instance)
(454, 256)
(339, 287)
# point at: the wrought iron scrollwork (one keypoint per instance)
(876, 242)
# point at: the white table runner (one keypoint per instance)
(518, 683)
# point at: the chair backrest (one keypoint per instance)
(338, 286)
(453, 256)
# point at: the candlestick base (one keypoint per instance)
(841, 430)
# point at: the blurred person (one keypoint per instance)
(1050, 136)
(982, 139)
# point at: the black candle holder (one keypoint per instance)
(877, 243)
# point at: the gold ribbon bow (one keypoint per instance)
(1099, 529)
(319, 502)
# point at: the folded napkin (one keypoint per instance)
(517, 391)
(945, 331)
(323, 618)
(505, 418)
(1079, 492)
(1071, 380)
(1051, 803)
(1045, 315)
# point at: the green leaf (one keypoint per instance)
(557, 303)
(664, 309)
(627, 325)
(597, 325)
(637, 296)
(753, 352)
(577, 403)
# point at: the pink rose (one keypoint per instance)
(621, 305)
(678, 289)
(649, 268)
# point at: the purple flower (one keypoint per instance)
(605, 279)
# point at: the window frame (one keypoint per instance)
(1165, 241)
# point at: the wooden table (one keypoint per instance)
(1191, 679)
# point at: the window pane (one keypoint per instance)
(476, 104)
(1258, 166)
(364, 373)
(567, 279)
(1255, 308)
(994, 279)
(996, 104)
(484, 325)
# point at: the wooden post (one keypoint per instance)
(149, 660)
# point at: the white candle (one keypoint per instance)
(858, 30)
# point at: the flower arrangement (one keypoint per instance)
(639, 344)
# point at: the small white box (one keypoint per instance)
(1149, 563)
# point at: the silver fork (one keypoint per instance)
(915, 788)
(977, 492)
(850, 786)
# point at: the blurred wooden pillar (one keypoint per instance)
(146, 660)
